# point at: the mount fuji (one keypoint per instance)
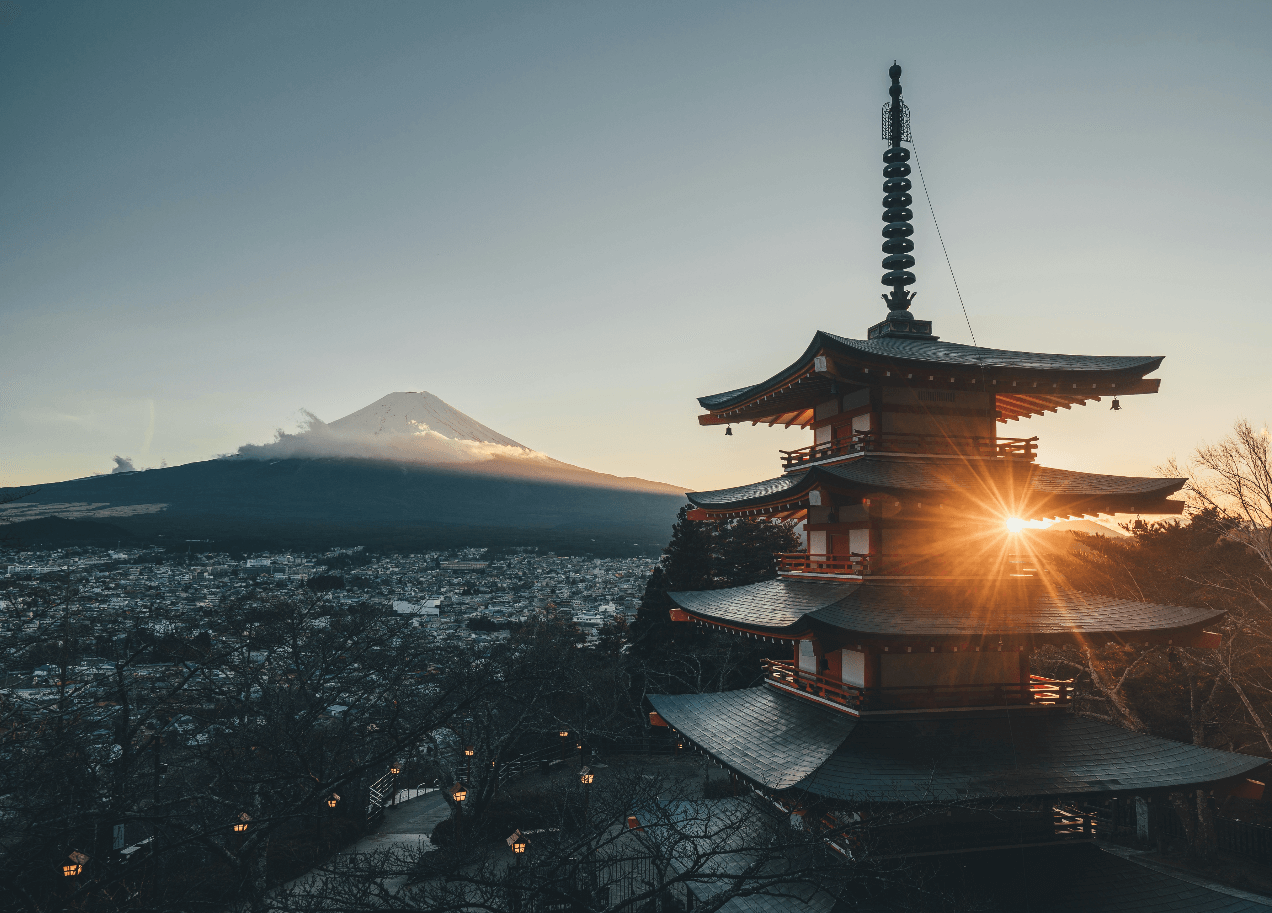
(410, 413)
(409, 469)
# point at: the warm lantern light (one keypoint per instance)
(70, 870)
(579, 746)
(331, 803)
(517, 842)
(395, 770)
(586, 776)
(565, 734)
(242, 822)
(458, 792)
(468, 751)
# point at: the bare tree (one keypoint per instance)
(1233, 478)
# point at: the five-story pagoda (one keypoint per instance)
(909, 622)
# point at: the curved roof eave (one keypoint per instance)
(916, 474)
(786, 607)
(917, 351)
(783, 742)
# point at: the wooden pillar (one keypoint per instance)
(1150, 821)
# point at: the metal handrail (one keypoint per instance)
(1017, 448)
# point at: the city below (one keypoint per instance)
(465, 596)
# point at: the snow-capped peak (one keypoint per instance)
(413, 413)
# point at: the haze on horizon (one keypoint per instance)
(568, 220)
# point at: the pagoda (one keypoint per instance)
(904, 633)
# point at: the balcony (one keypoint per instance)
(1006, 448)
(803, 564)
(1038, 691)
(795, 563)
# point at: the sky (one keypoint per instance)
(569, 220)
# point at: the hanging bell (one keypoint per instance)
(728, 432)
(1117, 406)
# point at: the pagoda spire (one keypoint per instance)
(897, 216)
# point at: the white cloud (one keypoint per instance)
(316, 439)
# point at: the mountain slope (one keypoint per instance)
(385, 467)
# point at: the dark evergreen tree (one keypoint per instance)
(686, 564)
(704, 555)
(747, 551)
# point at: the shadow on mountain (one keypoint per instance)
(327, 501)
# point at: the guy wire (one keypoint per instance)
(941, 238)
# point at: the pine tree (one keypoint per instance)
(705, 555)
(748, 550)
(686, 564)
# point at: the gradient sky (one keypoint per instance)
(568, 220)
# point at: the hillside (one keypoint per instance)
(386, 470)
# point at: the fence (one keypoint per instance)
(1232, 835)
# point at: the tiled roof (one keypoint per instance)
(953, 353)
(1012, 753)
(1066, 481)
(756, 491)
(771, 739)
(935, 352)
(914, 474)
(785, 742)
(924, 474)
(940, 610)
(771, 604)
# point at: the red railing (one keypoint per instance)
(804, 563)
(798, 563)
(788, 677)
(1038, 690)
(1051, 690)
(1013, 448)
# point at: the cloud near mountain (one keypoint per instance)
(414, 442)
(419, 428)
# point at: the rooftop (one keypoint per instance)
(781, 742)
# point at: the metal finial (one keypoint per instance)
(897, 200)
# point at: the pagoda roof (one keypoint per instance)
(1031, 609)
(782, 742)
(1025, 383)
(1043, 491)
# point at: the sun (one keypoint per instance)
(1015, 524)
